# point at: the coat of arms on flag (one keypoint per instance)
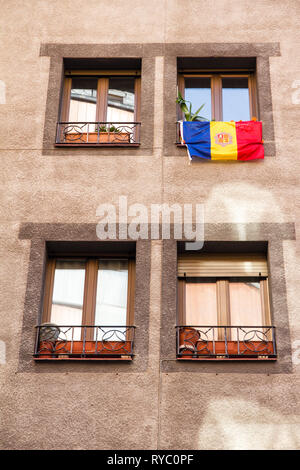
(223, 139)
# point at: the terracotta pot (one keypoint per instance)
(92, 137)
(232, 348)
(190, 345)
(106, 347)
(44, 349)
(114, 347)
(188, 338)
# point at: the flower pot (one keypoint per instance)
(255, 348)
(94, 137)
(67, 349)
(188, 338)
(102, 348)
(45, 349)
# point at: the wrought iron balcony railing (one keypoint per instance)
(98, 133)
(221, 342)
(85, 341)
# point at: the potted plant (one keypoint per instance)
(187, 110)
(48, 335)
(188, 339)
(188, 114)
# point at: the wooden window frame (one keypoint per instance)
(102, 91)
(90, 289)
(216, 90)
(223, 300)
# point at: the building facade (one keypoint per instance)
(147, 344)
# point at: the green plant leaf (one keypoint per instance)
(184, 108)
(180, 97)
(187, 110)
(201, 107)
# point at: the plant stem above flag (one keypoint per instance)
(216, 140)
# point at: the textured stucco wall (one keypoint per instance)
(149, 408)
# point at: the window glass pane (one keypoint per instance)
(235, 98)
(245, 309)
(121, 100)
(83, 101)
(111, 297)
(201, 307)
(67, 298)
(198, 92)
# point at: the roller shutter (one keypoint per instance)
(222, 265)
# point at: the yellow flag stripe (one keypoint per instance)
(223, 140)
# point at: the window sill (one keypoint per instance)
(55, 359)
(220, 359)
(84, 144)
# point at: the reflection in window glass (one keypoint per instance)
(83, 101)
(235, 98)
(111, 297)
(198, 92)
(67, 298)
(121, 99)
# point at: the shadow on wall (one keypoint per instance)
(237, 202)
(240, 425)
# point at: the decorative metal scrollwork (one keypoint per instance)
(226, 341)
(49, 332)
(73, 133)
(52, 339)
(98, 133)
(83, 341)
(193, 340)
(114, 340)
(256, 341)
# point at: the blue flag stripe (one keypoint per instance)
(196, 136)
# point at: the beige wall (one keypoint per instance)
(149, 409)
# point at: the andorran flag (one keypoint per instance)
(215, 140)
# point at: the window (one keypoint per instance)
(226, 96)
(225, 86)
(223, 307)
(88, 309)
(100, 107)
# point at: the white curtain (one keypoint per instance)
(111, 298)
(245, 306)
(245, 303)
(67, 298)
(201, 306)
